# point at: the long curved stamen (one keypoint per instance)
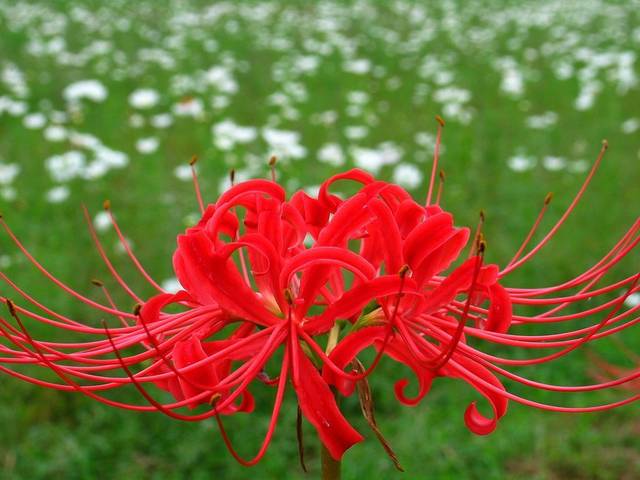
(196, 184)
(436, 155)
(127, 248)
(53, 279)
(564, 216)
(532, 231)
(272, 423)
(446, 355)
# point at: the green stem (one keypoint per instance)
(330, 466)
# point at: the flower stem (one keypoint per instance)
(330, 466)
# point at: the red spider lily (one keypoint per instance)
(268, 280)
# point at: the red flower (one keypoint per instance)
(308, 283)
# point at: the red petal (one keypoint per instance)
(150, 311)
(345, 351)
(331, 201)
(390, 236)
(319, 407)
(461, 367)
(185, 353)
(213, 279)
(500, 310)
(257, 186)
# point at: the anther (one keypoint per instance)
(136, 309)
(232, 176)
(440, 120)
(272, 166)
(97, 282)
(482, 246)
(193, 160)
(548, 198)
(214, 398)
(12, 307)
(404, 270)
(106, 204)
(288, 296)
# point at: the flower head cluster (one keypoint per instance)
(282, 291)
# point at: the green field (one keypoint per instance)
(110, 100)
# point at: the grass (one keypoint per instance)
(47, 434)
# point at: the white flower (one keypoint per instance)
(227, 133)
(633, 300)
(8, 172)
(452, 95)
(95, 169)
(374, 159)
(102, 221)
(183, 172)
(57, 194)
(407, 175)
(89, 89)
(8, 193)
(512, 82)
(147, 145)
(356, 132)
(332, 154)
(221, 78)
(144, 98)
(111, 158)
(521, 163)
(55, 133)
(630, 126)
(554, 164)
(34, 121)
(162, 120)
(542, 121)
(15, 108)
(284, 142)
(359, 66)
(66, 166)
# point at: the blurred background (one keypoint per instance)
(109, 100)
